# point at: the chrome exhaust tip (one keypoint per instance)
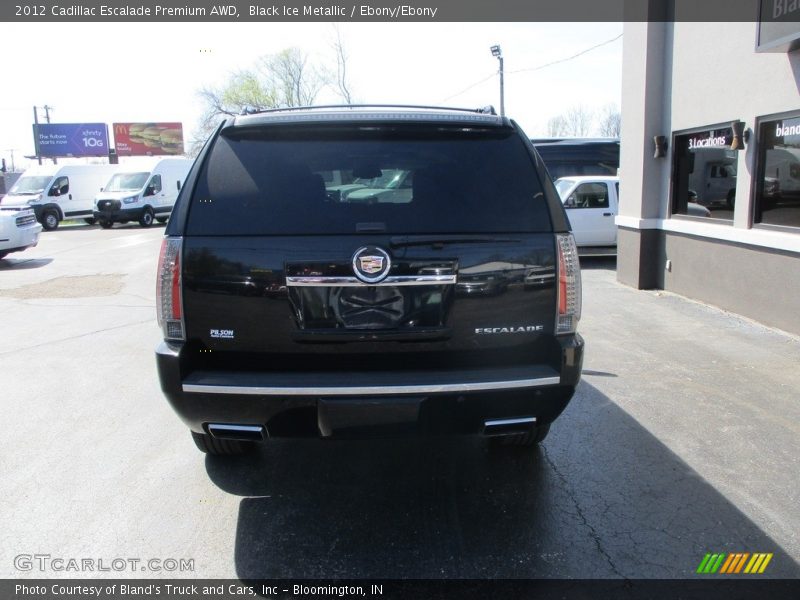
(497, 427)
(244, 433)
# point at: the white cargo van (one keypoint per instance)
(57, 192)
(141, 191)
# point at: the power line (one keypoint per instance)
(487, 78)
(561, 60)
(550, 64)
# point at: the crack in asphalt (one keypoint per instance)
(75, 337)
(36, 302)
(593, 533)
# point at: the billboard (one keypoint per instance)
(71, 139)
(148, 139)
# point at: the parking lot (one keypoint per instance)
(683, 439)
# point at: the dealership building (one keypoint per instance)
(711, 114)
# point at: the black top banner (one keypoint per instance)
(742, 588)
(396, 10)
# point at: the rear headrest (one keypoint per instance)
(434, 182)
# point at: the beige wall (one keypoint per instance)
(679, 76)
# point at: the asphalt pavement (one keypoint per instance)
(682, 439)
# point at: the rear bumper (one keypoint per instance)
(360, 404)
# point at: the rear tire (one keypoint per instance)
(50, 220)
(535, 436)
(147, 217)
(731, 199)
(162, 220)
(106, 224)
(211, 445)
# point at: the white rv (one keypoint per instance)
(57, 192)
(142, 192)
(782, 172)
(713, 176)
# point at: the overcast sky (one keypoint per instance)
(151, 72)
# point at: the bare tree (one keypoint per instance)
(610, 121)
(291, 78)
(283, 79)
(578, 121)
(342, 85)
(556, 126)
(575, 122)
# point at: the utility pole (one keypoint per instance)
(47, 110)
(11, 150)
(36, 134)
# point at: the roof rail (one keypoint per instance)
(484, 110)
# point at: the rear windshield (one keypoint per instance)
(379, 179)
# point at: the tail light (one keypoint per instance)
(569, 284)
(169, 300)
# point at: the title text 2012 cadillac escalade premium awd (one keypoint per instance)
(354, 271)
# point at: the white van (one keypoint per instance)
(141, 191)
(59, 192)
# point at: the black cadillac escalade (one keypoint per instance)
(354, 271)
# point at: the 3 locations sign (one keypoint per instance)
(716, 138)
(148, 139)
(71, 139)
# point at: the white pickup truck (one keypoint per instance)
(592, 203)
(18, 229)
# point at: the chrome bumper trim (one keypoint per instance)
(394, 281)
(373, 390)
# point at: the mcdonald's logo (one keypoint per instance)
(734, 563)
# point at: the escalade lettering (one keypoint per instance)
(521, 329)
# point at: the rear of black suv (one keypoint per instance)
(356, 272)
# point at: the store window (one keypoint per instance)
(778, 180)
(704, 174)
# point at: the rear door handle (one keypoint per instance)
(608, 214)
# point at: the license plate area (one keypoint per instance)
(368, 417)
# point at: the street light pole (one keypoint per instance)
(498, 53)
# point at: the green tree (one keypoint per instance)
(285, 79)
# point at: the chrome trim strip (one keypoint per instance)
(370, 390)
(243, 428)
(501, 422)
(396, 280)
